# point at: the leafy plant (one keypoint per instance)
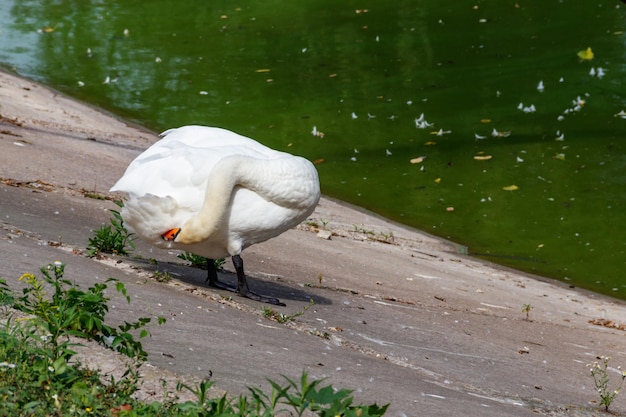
(295, 398)
(201, 261)
(69, 311)
(36, 381)
(601, 380)
(162, 276)
(112, 238)
(325, 401)
(526, 308)
(40, 376)
(270, 313)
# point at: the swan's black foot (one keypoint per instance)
(256, 297)
(221, 286)
(242, 283)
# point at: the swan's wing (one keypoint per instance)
(180, 163)
(219, 140)
(168, 169)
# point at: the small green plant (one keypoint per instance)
(39, 374)
(386, 237)
(201, 261)
(312, 223)
(371, 235)
(359, 229)
(599, 373)
(93, 194)
(162, 276)
(309, 395)
(69, 311)
(270, 313)
(37, 379)
(526, 308)
(112, 238)
(195, 260)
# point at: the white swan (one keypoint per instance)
(213, 192)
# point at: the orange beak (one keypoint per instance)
(171, 234)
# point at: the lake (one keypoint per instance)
(498, 125)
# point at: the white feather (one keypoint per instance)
(177, 181)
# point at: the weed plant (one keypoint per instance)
(600, 375)
(271, 314)
(162, 276)
(200, 261)
(112, 238)
(70, 311)
(526, 309)
(40, 375)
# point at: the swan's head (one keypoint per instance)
(187, 235)
(171, 234)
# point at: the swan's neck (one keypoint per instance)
(289, 182)
(224, 177)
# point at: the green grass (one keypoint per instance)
(41, 376)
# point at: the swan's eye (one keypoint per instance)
(171, 234)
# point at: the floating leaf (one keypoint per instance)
(621, 114)
(430, 142)
(585, 55)
(560, 156)
(482, 157)
(48, 29)
(438, 180)
(318, 161)
(263, 70)
(317, 133)
(441, 132)
(510, 187)
(498, 134)
(418, 160)
(485, 120)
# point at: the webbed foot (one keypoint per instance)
(242, 283)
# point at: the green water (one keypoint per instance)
(361, 73)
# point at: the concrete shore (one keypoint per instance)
(398, 316)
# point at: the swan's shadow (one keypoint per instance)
(198, 277)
